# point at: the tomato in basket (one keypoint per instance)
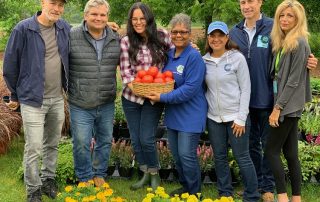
(141, 73)
(153, 71)
(168, 74)
(168, 79)
(158, 80)
(160, 75)
(137, 79)
(147, 79)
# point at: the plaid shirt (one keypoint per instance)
(128, 71)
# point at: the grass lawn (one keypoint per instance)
(12, 188)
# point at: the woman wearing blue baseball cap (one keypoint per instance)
(228, 96)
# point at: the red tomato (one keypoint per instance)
(168, 79)
(137, 79)
(153, 71)
(168, 74)
(158, 80)
(160, 75)
(147, 79)
(141, 73)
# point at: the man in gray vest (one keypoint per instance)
(36, 70)
(94, 56)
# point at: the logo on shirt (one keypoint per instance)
(180, 69)
(227, 67)
(263, 41)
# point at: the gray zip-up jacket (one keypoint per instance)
(228, 87)
(293, 79)
(92, 81)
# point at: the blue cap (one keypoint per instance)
(218, 25)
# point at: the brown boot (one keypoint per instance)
(98, 181)
(268, 197)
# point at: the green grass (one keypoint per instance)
(12, 188)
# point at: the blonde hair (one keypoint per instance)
(289, 41)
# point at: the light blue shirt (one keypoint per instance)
(97, 43)
(251, 32)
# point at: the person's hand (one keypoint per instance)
(312, 62)
(238, 130)
(195, 46)
(12, 105)
(114, 26)
(274, 118)
(154, 97)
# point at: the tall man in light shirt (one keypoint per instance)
(252, 35)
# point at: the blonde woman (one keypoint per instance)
(289, 37)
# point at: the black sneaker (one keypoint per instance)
(49, 188)
(34, 196)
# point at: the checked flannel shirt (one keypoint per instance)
(128, 71)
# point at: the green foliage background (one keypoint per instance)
(201, 11)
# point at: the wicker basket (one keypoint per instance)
(143, 89)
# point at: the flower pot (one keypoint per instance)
(212, 175)
(125, 172)
(124, 132)
(111, 170)
(175, 173)
(164, 173)
(161, 130)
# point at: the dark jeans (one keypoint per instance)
(183, 147)
(259, 132)
(285, 138)
(220, 134)
(142, 122)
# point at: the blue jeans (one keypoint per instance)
(143, 122)
(259, 132)
(86, 124)
(220, 134)
(42, 131)
(183, 147)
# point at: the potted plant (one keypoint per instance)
(165, 159)
(126, 158)
(113, 158)
(205, 156)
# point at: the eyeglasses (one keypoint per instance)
(135, 20)
(182, 33)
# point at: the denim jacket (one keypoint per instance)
(24, 60)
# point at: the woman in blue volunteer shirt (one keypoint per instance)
(186, 106)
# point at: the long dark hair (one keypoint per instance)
(154, 39)
(229, 45)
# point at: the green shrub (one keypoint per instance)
(315, 44)
(65, 168)
(315, 86)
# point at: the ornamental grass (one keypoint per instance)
(10, 122)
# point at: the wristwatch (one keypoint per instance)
(277, 107)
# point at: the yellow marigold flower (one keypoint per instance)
(147, 199)
(164, 195)
(69, 199)
(100, 195)
(175, 199)
(85, 199)
(209, 200)
(82, 185)
(68, 188)
(108, 192)
(149, 189)
(92, 197)
(226, 199)
(118, 199)
(230, 198)
(150, 195)
(160, 189)
(184, 195)
(78, 194)
(91, 181)
(106, 185)
(192, 198)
